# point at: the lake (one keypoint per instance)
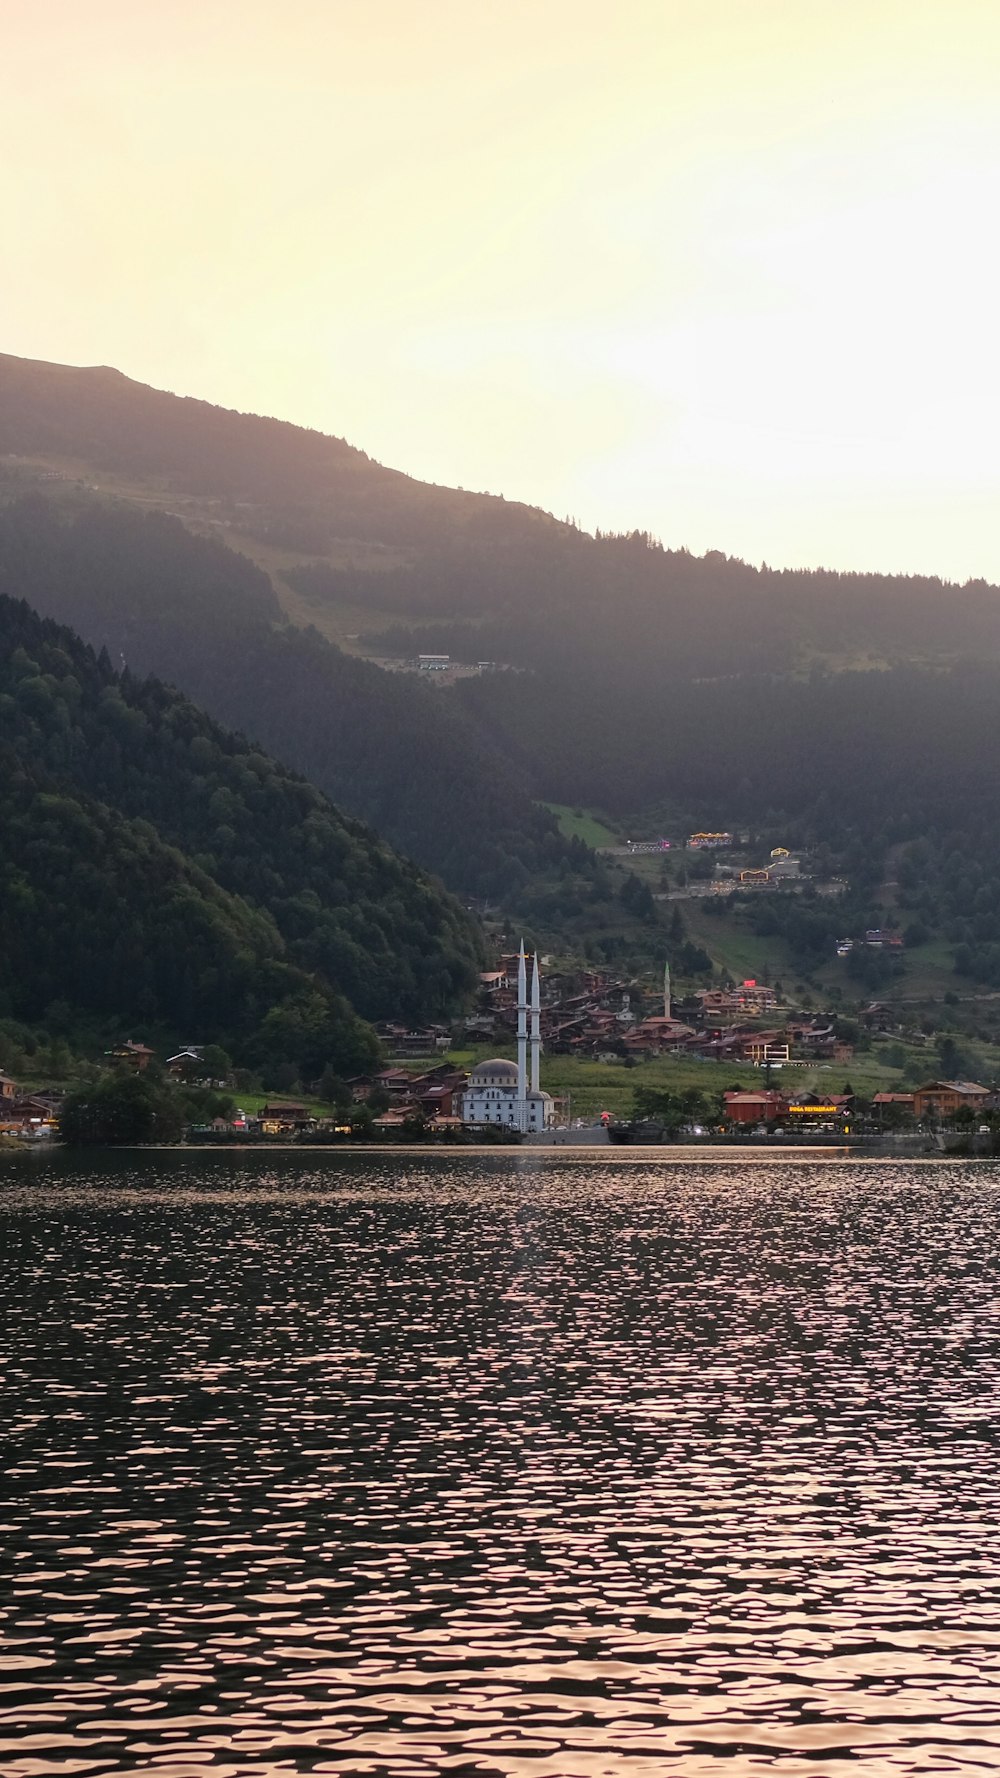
(525, 1464)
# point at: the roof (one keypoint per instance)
(747, 1098)
(968, 1087)
(496, 1065)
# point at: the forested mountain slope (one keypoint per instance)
(99, 418)
(386, 748)
(854, 712)
(493, 579)
(157, 868)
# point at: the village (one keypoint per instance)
(440, 1083)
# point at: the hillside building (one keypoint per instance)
(942, 1098)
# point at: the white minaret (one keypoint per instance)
(536, 1034)
(666, 990)
(522, 1037)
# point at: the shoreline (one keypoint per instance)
(666, 1153)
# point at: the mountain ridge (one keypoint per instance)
(849, 714)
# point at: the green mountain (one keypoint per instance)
(386, 748)
(97, 422)
(156, 870)
(254, 564)
(348, 541)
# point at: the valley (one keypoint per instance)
(262, 569)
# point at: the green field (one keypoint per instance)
(593, 1087)
(735, 949)
(580, 824)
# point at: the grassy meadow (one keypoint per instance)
(593, 1087)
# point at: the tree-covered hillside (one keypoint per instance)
(157, 868)
(413, 764)
(621, 606)
(493, 578)
(852, 712)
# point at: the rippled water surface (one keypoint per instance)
(526, 1465)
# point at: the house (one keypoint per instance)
(137, 1055)
(391, 1122)
(360, 1087)
(815, 1108)
(753, 996)
(442, 1074)
(394, 1081)
(422, 1041)
(438, 1101)
(654, 1035)
(755, 1108)
(437, 1093)
(820, 1042)
(31, 1114)
(31, 1105)
(942, 1098)
(8, 1088)
(763, 1048)
(892, 1105)
(750, 996)
(280, 1118)
(187, 1062)
(785, 869)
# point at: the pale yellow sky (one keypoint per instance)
(723, 269)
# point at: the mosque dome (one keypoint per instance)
(495, 1073)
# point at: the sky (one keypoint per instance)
(723, 270)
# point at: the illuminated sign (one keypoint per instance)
(817, 1110)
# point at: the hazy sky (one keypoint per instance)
(722, 269)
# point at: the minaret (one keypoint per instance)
(522, 1038)
(536, 1034)
(666, 990)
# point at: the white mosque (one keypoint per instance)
(498, 1091)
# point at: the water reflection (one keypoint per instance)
(499, 1466)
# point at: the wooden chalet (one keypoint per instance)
(136, 1055)
(942, 1098)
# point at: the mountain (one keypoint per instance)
(385, 748)
(101, 422)
(158, 870)
(349, 542)
(255, 563)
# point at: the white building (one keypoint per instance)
(498, 1091)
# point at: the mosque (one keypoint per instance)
(498, 1091)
